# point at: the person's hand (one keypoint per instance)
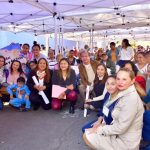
(91, 130)
(36, 87)
(70, 87)
(11, 97)
(91, 88)
(42, 88)
(100, 119)
(88, 100)
(146, 75)
(61, 96)
(22, 92)
(96, 124)
(0, 95)
(26, 97)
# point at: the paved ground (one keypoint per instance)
(42, 130)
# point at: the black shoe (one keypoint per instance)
(36, 108)
(71, 110)
(81, 107)
(1, 105)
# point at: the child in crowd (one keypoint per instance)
(19, 95)
(32, 65)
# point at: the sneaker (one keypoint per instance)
(35, 108)
(25, 109)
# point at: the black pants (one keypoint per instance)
(37, 101)
(5, 97)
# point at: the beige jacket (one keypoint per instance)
(125, 131)
(83, 73)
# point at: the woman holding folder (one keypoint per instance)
(43, 76)
(64, 77)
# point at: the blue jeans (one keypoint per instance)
(88, 125)
(17, 102)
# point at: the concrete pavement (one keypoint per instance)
(42, 130)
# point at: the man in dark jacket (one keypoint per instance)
(109, 63)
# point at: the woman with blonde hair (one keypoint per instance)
(124, 132)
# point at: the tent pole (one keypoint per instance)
(55, 35)
(92, 41)
(62, 34)
(47, 44)
(59, 38)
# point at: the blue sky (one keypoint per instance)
(7, 38)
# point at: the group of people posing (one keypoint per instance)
(19, 88)
(119, 90)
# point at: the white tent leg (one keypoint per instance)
(92, 41)
(47, 44)
(62, 34)
(59, 39)
(55, 36)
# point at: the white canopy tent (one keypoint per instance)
(107, 18)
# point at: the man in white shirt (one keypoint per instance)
(36, 53)
(51, 59)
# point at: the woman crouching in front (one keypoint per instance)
(44, 77)
(110, 100)
(65, 77)
(125, 130)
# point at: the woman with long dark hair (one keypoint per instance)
(3, 79)
(65, 77)
(110, 97)
(98, 88)
(15, 72)
(44, 76)
(126, 53)
(139, 78)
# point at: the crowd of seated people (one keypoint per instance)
(119, 81)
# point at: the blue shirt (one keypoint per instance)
(16, 89)
(108, 119)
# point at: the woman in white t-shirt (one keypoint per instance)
(126, 53)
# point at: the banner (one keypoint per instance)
(11, 52)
